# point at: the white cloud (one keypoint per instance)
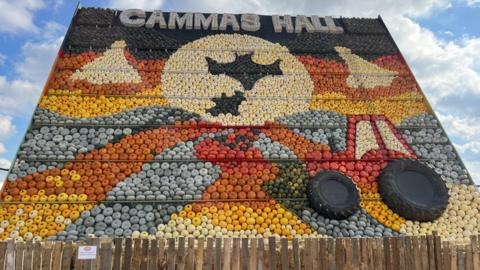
(463, 127)
(473, 168)
(18, 97)
(449, 33)
(336, 8)
(3, 149)
(18, 15)
(52, 30)
(2, 59)
(472, 3)
(470, 147)
(443, 68)
(7, 128)
(57, 4)
(5, 163)
(142, 4)
(37, 60)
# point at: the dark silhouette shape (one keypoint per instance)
(244, 70)
(225, 104)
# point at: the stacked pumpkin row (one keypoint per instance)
(79, 181)
(83, 38)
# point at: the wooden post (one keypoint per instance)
(181, 254)
(285, 258)
(153, 255)
(445, 256)
(431, 252)
(379, 253)
(218, 254)
(10, 254)
(437, 244)
(190, 262)
(161, 253)
(227, 254)
(400, 252)
(261, 254)
(468, 256)
(331, 254)
(199, 254)
(306, 254)
(105, 253)
(347, 245)
(475, 252)
(244, 254)
(117, 258)
(272, 253)
(171, 254)
(128, 254)
(253, 263)
(210, 254)
(37, 255)
(3, 253)
(296, 254)
(57, 255)
(339, 254)
(461, 257)
(236, 254)
(387, 252)
(355, 253)
(67, 256)
(27, 256)
(323, 251)
(137, 251)
(409, 262)
(47, 255)
(453, 255)
(144, 259)
(417, 253)
(19, 249)
(424, 251)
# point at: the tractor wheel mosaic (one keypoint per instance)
(150, 132)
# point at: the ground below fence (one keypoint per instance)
(403, 253)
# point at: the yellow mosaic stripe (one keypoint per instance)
(396, 108)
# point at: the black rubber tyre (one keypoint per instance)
(413, 190)
(332, 194)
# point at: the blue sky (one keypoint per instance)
(439, 38)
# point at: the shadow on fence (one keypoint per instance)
(405, 253)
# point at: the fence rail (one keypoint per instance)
(402, 253)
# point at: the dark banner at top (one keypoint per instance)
(220, 22)
(158, 34)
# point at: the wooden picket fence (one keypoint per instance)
(403, 253)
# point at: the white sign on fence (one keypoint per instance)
(87, 252)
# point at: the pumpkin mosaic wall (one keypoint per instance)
(145, 132)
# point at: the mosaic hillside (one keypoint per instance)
(150, 131)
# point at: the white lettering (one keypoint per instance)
(202, 23)
(332, 27)
(318, 25)
(279, 23)
(175, 20)
(156, 17)
(127, 15)
(250, 22)
(303, 22)
(229, 19)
